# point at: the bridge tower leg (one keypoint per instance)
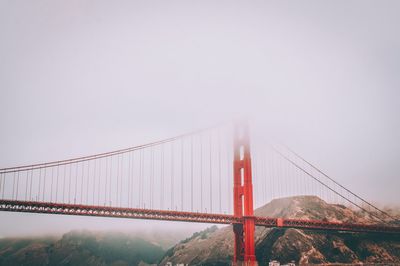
(244, 249)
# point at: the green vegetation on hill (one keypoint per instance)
(79, 248)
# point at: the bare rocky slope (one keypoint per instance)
(215, 246)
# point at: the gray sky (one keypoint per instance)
(82, 77)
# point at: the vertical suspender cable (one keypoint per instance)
(13, 187)
(16, 193)
(219, 172)
(76, 182)
(335, 195)
(57, 172)
(153, 176)
(210, 173)
(280, 178)
(3, 185)
(133, 177)
(310, 187)
(162, 178)
(286, 181)
(44, 183)
(30, 189)
(26, 184)
(262, 176)
(40, 182)
(82, 179)
(52, 181)
(297, 188)
(83, 173)
(273, 176)
(1, 182)
(116, 193)
(106, 181)
(122, 179)
(98, 191)
(257, 185)
(129, 178)
(172, 175)
(57, 183)
(69, 181)
(229, 178)
(143, 179)
(94, 180)
(289, 182)
(269, 165)
(140, 178)
(182, 174)
(2, 177)
(256, 177)
(265, 176)
(87, 183)
(191, 173)
(111, 178)
(277, 180)
(119, 186)
(201, 172)
(151, 187)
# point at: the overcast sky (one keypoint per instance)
(82, 77)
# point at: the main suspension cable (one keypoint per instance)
(100, 155)
(340, 185)
(325, 185)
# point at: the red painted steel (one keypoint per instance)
(244, 250)
(326, 226)
(106, 211)
(133, 213)
(238, 254)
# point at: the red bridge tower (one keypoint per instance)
(244, 250)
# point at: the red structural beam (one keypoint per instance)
(326, 226)
(133, 213)
(106, 211)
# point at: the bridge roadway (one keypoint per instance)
(167, 215)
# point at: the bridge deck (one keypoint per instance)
(166, 215)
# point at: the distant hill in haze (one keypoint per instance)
(215, 246)
(80, 248)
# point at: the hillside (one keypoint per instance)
(79, 248)
(216, 246)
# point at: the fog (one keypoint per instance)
(83, 77)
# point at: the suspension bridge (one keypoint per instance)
(206, 176)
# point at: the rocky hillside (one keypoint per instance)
(215, 246)
(80, 248)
